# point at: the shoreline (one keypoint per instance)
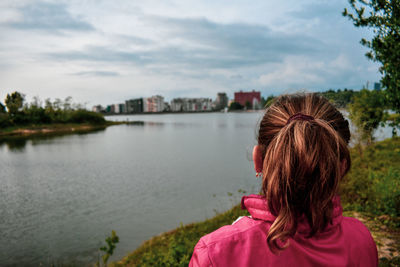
(53, 129)
(181, 112)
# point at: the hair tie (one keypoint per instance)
(300, 116)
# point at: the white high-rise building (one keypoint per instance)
(153, 104)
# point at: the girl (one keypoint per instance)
(301, 155)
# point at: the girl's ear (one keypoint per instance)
(258, 159)
(343, 167)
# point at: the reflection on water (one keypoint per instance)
(18, 143)
(14, 144)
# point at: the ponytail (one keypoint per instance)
(302, 163)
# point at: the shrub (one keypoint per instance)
(373, 183)
(84, 116)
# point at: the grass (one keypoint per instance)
(373, 184)
(370, 192)
(175, 248)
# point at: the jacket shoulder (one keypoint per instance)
(356, 229)
(360, 240)
(231, 245)
(244, 226)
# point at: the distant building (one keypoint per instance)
(167, 106)
(134, 105)
(98, 108)
(115, 108)
(200, 104)
(245, 99)
(177, 104)
(191, 104)
(122, 108)
(377, 86)
(153, 104)
(222, 101)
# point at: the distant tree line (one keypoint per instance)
(15, 112)
(368, 109)
(340, 98)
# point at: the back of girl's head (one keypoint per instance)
(304, 160)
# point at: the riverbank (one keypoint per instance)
(370, 192)
(54, 129)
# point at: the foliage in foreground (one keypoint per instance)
(372, 186)
(373, 183)
(383, 17)
(111, 243)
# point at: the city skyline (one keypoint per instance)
(103, 52)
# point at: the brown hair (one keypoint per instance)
(302, 163)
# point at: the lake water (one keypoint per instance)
(61, 196)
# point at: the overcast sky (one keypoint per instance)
(103, 52)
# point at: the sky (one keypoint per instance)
(105, 52)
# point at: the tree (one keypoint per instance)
(235, 106)
(14, 102)
(384, 18)
(248, 105)
(367, 112)
(67, 103)
(4, 121)
(2, 108)
(36, 102)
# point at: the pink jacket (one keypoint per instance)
(345, 242)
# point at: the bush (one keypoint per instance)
(84, 116)
(235, 106)
(373, 183)
(36, 115)
(367, 113)
(4, 120)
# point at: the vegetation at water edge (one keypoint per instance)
(17, 113)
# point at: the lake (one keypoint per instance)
(61, 196)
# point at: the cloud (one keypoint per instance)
(95, 73)
(200, 43)
(134, 39)
(293, 72)
(176, 49)
(298, 72)
(51, 17)
(324, 9)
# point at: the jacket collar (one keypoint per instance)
(257, 206)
